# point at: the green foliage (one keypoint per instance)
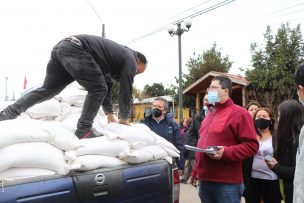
(210, 60)
(201, 64)
(158, 89)
(274, 66)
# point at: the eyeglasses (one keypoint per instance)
(213, 88)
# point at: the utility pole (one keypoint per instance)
(6, 96)
(103, 31)
(179, 31)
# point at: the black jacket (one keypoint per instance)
(285, 169)
(117, 63)
(192, 134)
(168, 129)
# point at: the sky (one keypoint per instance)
(30, 28)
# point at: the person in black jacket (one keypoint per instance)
(191, 138)
(291, 120)
(95, 63)
(161, 122)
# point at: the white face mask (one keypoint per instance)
(302, 102)
(205, 108)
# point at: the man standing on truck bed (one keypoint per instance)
(95, 63)
(161, 122)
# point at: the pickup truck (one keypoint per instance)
(154, 182)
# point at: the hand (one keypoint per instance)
(218, 153)
(111, 118)
(180, 172)
(271, 163)
(124, 121)
(193, 181)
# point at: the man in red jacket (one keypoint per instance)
(230, 128)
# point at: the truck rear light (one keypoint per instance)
(176, 182)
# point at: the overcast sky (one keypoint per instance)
(30, 28)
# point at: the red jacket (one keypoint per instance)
(231, 126)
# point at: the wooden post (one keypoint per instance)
(197, 103)
(243, 96)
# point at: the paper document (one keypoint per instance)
(208, 150)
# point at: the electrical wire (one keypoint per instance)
(180, 20)
(94, 10)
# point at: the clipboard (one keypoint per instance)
(195, 149)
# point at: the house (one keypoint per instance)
(199, 88)
(142, 108)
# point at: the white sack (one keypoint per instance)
(137, 156)
(136, 136)
(46, 110)
(102, 146)
(20, 173)
(71, 96)
(70, 122)
(163, 142)
(157, 151)
(32, 155)
(30, 130)
(91, 162)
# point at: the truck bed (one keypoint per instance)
(140, 183)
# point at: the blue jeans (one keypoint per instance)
(213, 192)
(69, 62)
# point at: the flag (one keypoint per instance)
(24, 83)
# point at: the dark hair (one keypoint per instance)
(225, 82)
(166, 105)
(253, 103)
(299, 75)
(290, 123)
(272, 119)
(141, 57)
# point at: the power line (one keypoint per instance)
(94, 10)
(189, 9)
(258, 18)
(206, 10)
(223, 3)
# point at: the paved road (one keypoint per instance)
(188, 194)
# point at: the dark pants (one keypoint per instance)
(213, 192)
(68, 62)
(268, 190)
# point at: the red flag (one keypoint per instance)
(24, 83)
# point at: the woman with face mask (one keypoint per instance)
(264, 183)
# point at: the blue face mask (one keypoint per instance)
(213, 97)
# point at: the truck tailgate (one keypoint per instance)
(148, 182)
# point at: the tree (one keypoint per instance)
(156, 89)
(274, 66)
(198, 66)
(210, 60)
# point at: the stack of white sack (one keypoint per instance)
(120, 144)
(54, 110)
(31, 147)
(72, 96)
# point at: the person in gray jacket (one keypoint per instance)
(298, 195)
(95, 63)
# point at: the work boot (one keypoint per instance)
(4, 116)
(87, 134)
